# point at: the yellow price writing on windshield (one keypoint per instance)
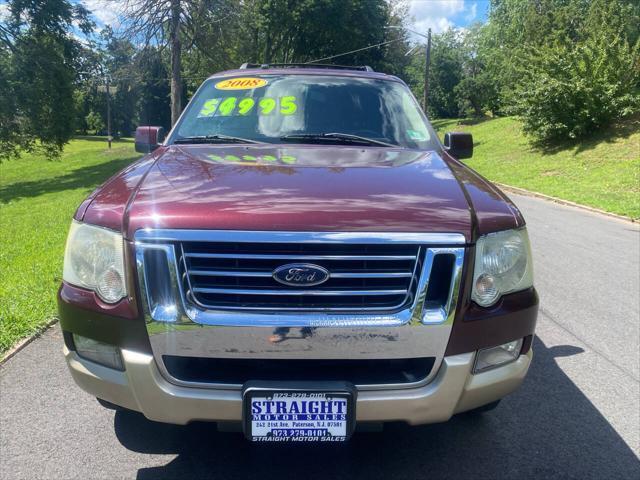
(288, 105)
(245, 106)
(209, 108)
(230, 106)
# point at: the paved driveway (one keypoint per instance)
(577, 415)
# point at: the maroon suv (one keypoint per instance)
(299, 256)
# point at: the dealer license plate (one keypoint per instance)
(298, 415)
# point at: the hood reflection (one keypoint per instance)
(301, 188)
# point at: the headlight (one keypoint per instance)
(94, 260)
(503, 265)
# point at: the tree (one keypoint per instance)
(95, 122)
(567, 67)
(36, 46)
(573, 90)
(476, 93)
(283, 31)
(153, 91)
(168, 24)
(445, 73)
(117, 59)
(288, 31)
(12, 136)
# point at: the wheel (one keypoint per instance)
(111, 406)
(484, 408)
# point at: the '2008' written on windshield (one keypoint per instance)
(234, 106)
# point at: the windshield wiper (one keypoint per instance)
(217, 138)
(342, 137)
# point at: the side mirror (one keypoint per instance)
(459, 144)
(148, 138)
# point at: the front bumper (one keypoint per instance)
(142, 387)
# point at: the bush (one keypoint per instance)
(574, 89)
(94, 122)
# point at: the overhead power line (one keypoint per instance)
(354, 51)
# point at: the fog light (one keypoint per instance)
(98, 352)
(489, 358)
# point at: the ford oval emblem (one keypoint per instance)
(301, 274)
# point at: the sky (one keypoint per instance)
(439, 15)
(435, 14)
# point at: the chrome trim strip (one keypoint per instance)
(267, 314)
(166, 312)
(372, 275)
(285, 292)
(248, 256)
(228, 273)
(240, 273)
(239, 236)
(446, 312)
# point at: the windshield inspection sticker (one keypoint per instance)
(416, 135)
(242, 83)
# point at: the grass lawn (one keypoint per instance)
(603, 172)
(37, 201)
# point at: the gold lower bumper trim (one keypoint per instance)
(142, 387)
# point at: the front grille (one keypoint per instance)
(239, 371)
(226, 275)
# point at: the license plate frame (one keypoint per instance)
(300, 427)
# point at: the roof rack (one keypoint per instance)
(362, 68)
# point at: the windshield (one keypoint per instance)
(297, 108)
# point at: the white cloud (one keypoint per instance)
(105, 12)
(436, 24)
(4, 11)
(438, 15)
(436, 8)
(472, 13)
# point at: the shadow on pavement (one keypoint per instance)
(546, 429)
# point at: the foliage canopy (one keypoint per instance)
(566, 67)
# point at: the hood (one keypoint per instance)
(301, 188)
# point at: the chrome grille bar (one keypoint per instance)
(229, 273)
(239, 276)
(245, 256)
(373, 275)
(283, 292)
(239, 273)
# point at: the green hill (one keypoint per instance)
(603, 172)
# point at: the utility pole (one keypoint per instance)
(108, 111)
(425, 100)
(176, 62)
(107, 80)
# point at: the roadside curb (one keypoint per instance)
(26, 341)
(568, 203)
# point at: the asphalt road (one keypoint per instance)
(576, 416)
